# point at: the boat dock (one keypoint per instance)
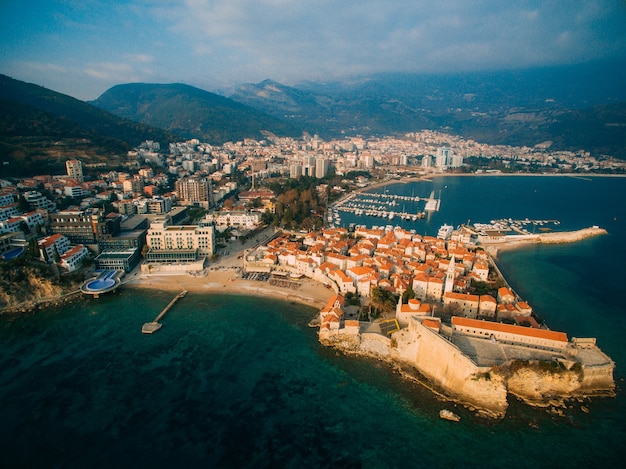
(150, 327)
(385, 205)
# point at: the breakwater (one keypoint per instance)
(558, 237)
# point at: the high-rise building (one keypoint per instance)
(321, 167)
(456, 161)
(442, 160)
(295, 171)
(194, 191)
(74, 170)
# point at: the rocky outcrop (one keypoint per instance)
(541, 383)
(23, 288)
(425, 356)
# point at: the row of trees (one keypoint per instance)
(299, 205)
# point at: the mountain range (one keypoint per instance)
(574, 107)
(40, 129)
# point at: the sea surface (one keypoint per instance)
(236, 381)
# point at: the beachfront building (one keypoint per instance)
(121, 259)
(506, 295)
(179, 243)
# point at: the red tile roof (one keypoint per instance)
(509, 329)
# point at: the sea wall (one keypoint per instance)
(449, 369)
(484, 388)
(597, 380)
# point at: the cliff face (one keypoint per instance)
(21, 285)
(544, 383)
(538, 386)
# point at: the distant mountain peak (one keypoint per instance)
(190, 112)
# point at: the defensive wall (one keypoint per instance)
(449, 368)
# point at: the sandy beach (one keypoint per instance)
(223, 276)
(227, 281)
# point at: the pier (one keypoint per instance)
(150, 327)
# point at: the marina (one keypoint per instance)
(151, 327)
(382, 205)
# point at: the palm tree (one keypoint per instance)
(383, 301)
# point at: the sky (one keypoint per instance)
(83, 47)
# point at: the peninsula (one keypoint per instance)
(439, 310)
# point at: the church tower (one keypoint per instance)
(450, 275)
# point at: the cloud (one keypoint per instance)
(140, 58)
(293, 38)
(44, 67)
(86, 46)
(107, 71)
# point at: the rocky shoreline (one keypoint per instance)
(32, 306)
(532, 385)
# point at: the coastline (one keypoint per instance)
(430, 177)
(226, 281)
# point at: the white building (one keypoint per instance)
(32, 219)
(321, 167)
(75, 191)
(6, 199)
(165, 237)
(9, 211)
(72, 259)
(74, 170)
(442, 159)
(236, 219)
(52, 245)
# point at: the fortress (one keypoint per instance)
(478, 362)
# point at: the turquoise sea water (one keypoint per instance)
(235, 381)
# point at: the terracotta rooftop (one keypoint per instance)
(509, 329)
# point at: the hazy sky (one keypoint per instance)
(83, 47)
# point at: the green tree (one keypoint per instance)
(352, 299)
(408, 294)
(23, 204)
(383, 301)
